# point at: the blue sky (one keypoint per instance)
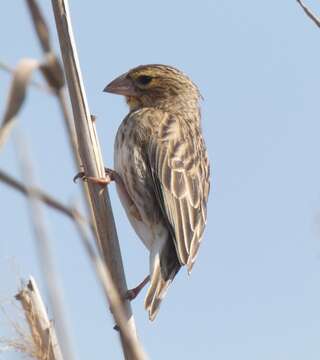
(254, 292)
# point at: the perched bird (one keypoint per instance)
(162, 171)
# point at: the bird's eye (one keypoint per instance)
(144, 79)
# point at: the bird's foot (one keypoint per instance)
(110, 175)
(133, 293)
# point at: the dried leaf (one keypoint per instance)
(21, 77)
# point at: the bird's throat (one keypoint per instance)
(133, 102)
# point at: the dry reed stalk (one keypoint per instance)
(42, 196)
(52, 72)
(45, 253)
(22, 342)
(110, 291)
(43, 334)
(90, 155)
(81, 224)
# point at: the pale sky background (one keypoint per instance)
(254, 292)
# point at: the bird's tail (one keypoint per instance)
(164, 270)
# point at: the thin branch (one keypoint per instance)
(109, 289)
(43, 34)
(90, 154)
(45, 253)
(41, 195)
(40, 25)
(309, 13)
(42, 331)
(81, 223)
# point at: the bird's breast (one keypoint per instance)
(131, 164)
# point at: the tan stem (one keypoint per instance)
(91, 158)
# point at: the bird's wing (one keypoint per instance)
(180, 171)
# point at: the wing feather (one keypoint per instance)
(180, 171)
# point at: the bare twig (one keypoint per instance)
(309, 13)
(43, 34)
(42, 330)
(90, 154)
(45, 253)
(50, 68)
(40, 25)
(81, 223)
(42, 196)
(109, 289)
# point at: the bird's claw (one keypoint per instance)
(133, 293)
(95, 180)
(81, 175)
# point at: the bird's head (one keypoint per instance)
(159, 86)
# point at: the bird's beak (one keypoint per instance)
(121, 86)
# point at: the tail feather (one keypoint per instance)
(164, 265)
(157, 291)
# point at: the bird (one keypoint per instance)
(162, 171)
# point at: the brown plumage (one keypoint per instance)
(161, 158)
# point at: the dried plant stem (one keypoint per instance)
(41, 195)
(109, 289)
(45, 253)
(309, 13)
(90, 154)
(102, 272)
(42, 331)
(42, 31)
(63, 104)
(61, 97)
